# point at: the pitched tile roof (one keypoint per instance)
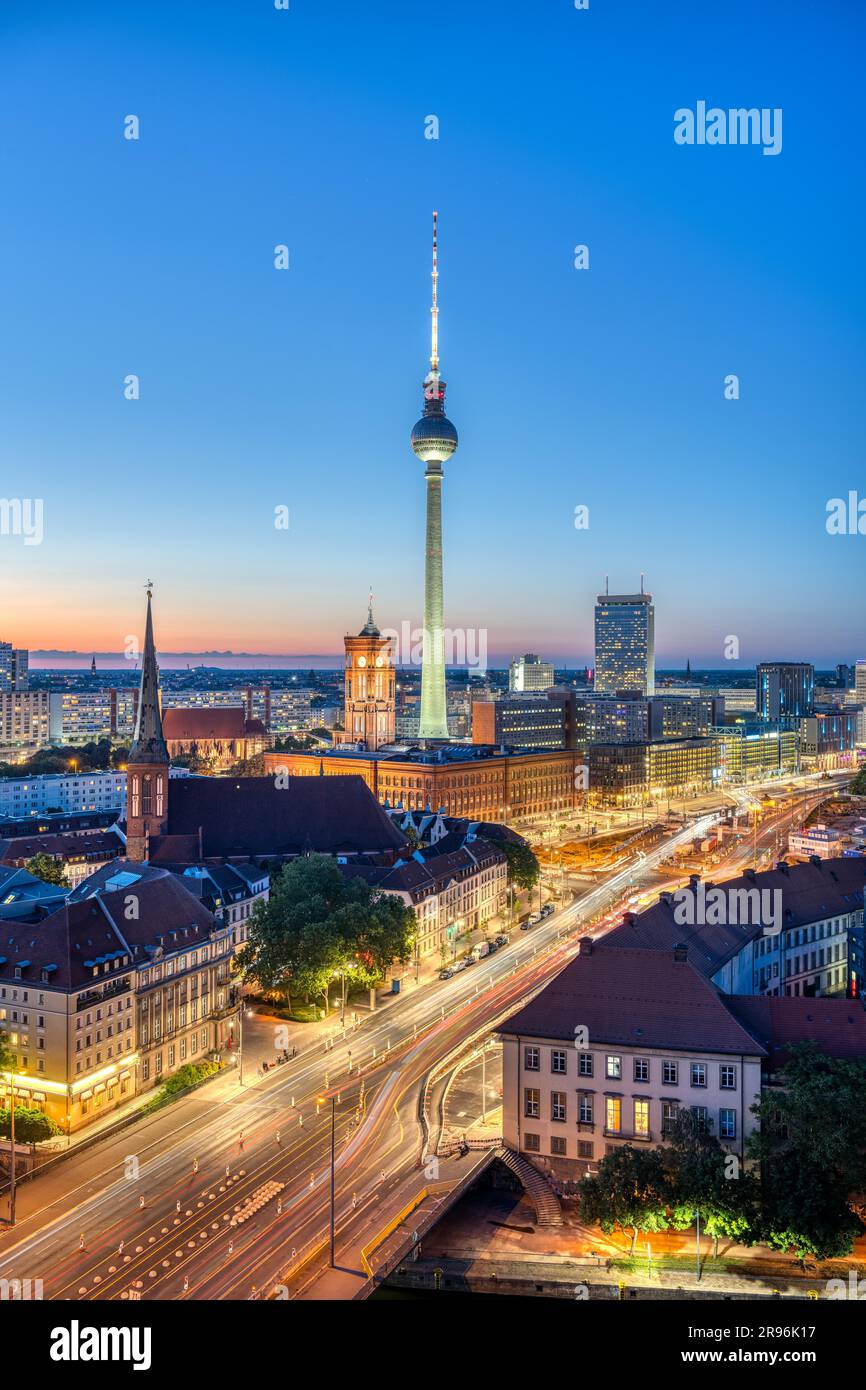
(256, 816)
(809, 893)
(633, 997)
(838, 1026)
(211, 722)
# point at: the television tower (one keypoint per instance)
(434, 440)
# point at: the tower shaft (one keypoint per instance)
(434, 716)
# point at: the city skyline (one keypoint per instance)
(599, 388)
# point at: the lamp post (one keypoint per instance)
(12, 1155)
(321, 1101)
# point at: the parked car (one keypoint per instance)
(469, 960)
(546, 910)
(459, 965)
(501, 940)
(530, 922)
(446, 974)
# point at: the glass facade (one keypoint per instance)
(625, 643)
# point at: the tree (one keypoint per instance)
(703, 1179)
(31, 1126)
(318, 923)
(522, 865)
(48, 869)
(858, 786)
(811, 1146)
(629, 1190)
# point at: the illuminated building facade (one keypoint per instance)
(784, 689)
(624, 643)
(370, 706)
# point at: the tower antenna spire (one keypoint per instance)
(434, 311)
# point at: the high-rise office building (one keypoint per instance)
(860, 682)
(434, 439)
(529, 672)
(785, 690)
(625, 643)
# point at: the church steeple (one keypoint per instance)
(148, 764)
(148, 744)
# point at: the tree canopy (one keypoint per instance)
(811, 1146)
(48, 869)
(319, 922)
(522, 865)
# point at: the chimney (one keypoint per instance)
(586, 946)
(782, 866)
(666, 897)
(694, 880)
(681, 952)
(629, 919)
(816, 860)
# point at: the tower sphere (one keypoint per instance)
(434, 439)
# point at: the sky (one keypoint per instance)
(263, 389)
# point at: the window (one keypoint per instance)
(613, 1068)
(670, 1073)
(532, 1143)
(558, 1061)
(728, 1078)
(669, 1115)
(557, 1105)
(558, 1146)
(531, 1103)
(613, 1114)
(584, 1064)
(727, 1124)
(641, 1069)
(699, 1073)
(532, 1058)
(641, 1118)
(701, 1118)
(584, 1110)
(584, 1148)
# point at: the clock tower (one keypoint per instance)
(369, 699)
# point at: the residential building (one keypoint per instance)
(14, 665)
(112, 993)
(24, 722)
(79, 855)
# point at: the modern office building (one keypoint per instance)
(860, 682)
(751, 750)
(625, 643)
(636, 774)
(829, 739)
(784, 690)
(524, 721)
(529, 672)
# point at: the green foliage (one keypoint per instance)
(190, 1074)
(31, 1126)
(6, 1062)
(89, 757)
(858, 786)
(318, 922)
(812, 1150)
(48, 869)
(522, 865)
(629, 1190)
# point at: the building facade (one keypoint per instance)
(624, 643)
(784, 690)
(370, 703)
(528, 673)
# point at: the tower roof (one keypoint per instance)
(148, 744)
(370, 629)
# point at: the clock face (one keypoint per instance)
(362, 661)
(379, 661)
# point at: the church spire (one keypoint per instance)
(148, 744)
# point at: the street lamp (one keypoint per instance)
(320, 1100)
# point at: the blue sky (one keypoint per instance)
(262, 388)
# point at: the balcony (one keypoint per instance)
(631, 1136)
(96, 997)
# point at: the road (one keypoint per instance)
(237, 1200)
